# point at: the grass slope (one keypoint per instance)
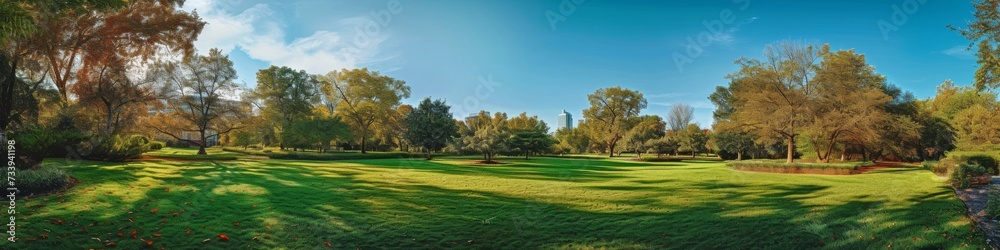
(445, 203)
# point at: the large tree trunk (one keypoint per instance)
(201, 145)
(428, 154)
(110, 120)
(363, 144)
(526, 154)
(791, 148)
(8, 73)
(739, 155)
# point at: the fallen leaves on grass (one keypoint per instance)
(154, 210)
(223, 237)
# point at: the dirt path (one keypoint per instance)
(975, 199)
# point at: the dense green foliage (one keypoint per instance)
(430, 126)
(967, 175)
(993, 203)
(117, 147)
(37, 142)
(39, 181)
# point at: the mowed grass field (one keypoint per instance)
(526, 204)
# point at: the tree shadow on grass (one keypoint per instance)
(281, 205)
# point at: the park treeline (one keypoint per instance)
(92, 80)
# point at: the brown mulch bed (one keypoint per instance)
(72, 183)
(975, 199)
(830, 171)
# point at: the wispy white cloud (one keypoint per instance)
(259, 32)
(728, 36)
(961, 52)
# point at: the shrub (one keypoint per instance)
(968, 175)
(41, 180)
(940, 168)
(985, 161)
(36, 143)
(247, 151)
(993, 203)
(118, 148)
(156, 145)
(341, 156)
(797, 167)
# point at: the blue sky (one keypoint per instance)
(544, 56)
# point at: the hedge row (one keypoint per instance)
(773, 164)
(39, 181)
(798, 167)
(287, 155)
(341, 156)
(988, 160)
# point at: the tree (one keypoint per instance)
(394, 130)
(772, 95)
(244, 138)
(529, 134)
(106, 85)
(848, 99)
(574, 140)
(985, 31)
(977, 128)
(739, 142)
(936, 136)
(140, 29)
(488, 135)
(366, 98)
(19, 23)
(951, 99)
(430, 125)
(638, 138)
(680, 116)
(723, 100)
(287, 95)
(693, 138)
(663, 145)
(196, 90)
(610, 111)
(317, 130)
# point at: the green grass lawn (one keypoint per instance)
(446, 203)
(191, 154)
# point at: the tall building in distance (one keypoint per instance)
(565, 120)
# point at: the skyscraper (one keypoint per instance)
(565, 120)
